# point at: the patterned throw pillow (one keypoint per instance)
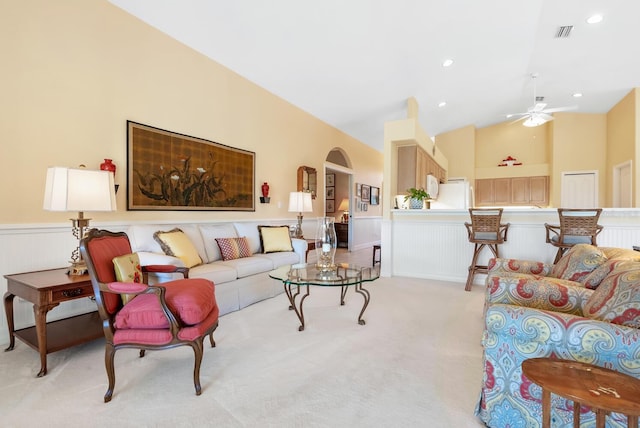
(177, 244)
(579, 262)
(592, 280)
(233, 248)
(128, 269)
(617, 298)
(274, 239)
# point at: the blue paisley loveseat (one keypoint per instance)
(584, 308)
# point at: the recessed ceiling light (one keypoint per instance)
(442, 104)
(594, 19)
(509, 116)
(577, 95)
(447, 63)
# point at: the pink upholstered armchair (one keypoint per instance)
(175, 313)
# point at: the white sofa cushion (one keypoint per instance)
(216, 272)
(281, 259)
(248, 266)
(210, 232)
(141, 237)
(250, 230)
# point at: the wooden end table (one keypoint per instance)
(47, 289)
(601, 389)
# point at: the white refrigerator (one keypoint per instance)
(454, 195)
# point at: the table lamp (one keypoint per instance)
(344, 207)
(299, 202)
(74, 189)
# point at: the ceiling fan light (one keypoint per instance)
(533, 121)
(594, 19)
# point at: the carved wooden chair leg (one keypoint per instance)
(109, 354)
(198, 351)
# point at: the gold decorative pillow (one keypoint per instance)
(274, 239)
(128, 269)
(177, 244)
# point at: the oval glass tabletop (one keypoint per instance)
(344, 274)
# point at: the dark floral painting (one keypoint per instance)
(171, 171)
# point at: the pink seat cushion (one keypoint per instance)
(190, 300)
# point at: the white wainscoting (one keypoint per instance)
(433, 244)
(32, 247)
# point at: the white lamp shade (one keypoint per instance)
(344, 205)
(300, 202)
(70, 189)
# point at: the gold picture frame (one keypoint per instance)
(171, 171)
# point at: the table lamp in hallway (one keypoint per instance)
(299, 202)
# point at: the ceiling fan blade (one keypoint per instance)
(558, 109)
(526, 116)
(545, 116)
(539, 107)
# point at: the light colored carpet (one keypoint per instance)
(417, 362)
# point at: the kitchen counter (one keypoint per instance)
(433, 243)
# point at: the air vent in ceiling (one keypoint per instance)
(563, 31)
(539, 99)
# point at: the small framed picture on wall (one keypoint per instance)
(331, 179)
(366, 192)
(331, 206)
(331, 192)
(358, 190)
(375, 195)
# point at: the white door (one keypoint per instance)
(579, 189)
(622, 185)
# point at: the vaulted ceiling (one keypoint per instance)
(355, 63)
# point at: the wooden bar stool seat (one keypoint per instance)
(485, 230)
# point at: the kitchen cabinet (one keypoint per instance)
(512, 191)
(414, 164)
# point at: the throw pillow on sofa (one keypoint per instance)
(233, 248)
(274, 239)
(617, 298)
(177, 244)
(580, 261)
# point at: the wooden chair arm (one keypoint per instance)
(504, 228)
(551, 229)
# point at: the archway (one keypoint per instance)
(339, 198)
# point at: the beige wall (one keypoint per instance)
(623, 140)
(571, 142)
(579, 144)
(495, 143)
(459, 148)
(73, 73)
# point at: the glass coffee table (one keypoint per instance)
(296, 277)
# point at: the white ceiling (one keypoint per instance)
(354, 63)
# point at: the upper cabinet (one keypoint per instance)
(512, 191)
(414, 164)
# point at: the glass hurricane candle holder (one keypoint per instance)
(326, 244)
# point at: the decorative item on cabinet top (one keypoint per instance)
(509, 161)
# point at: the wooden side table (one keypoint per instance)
(47, 289)
(601, 389)
(311, 245)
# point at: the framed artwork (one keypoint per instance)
(363, 206)
(331, 192)
(331, 206)
(171, 171)
(358, 190)
(366, 192)
(331, 179)
(375, 195)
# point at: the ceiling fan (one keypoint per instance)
(537, 114)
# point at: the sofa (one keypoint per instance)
(243, 278)
(585, 308)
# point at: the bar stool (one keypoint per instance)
(373, 261)
(577, 226)
(485, 230)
